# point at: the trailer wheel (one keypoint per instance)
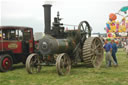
(63, 64)
(93, 52)
(6, 62)
(33, 63)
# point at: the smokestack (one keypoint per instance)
(47, 18)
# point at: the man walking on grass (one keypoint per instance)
(108, 58)
(114, 50)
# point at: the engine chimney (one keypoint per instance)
(47, 18)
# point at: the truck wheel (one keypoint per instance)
(6, 62)
(33, 63)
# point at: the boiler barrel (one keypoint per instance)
(49, 45)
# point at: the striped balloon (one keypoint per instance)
(108, 26)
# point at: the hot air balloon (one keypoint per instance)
(124, 9)
(112, 16)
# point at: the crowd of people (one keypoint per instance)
(110, 48)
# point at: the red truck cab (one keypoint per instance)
(16, 43)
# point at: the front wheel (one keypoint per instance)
(33, 63)
(63, 64)
(6, 62)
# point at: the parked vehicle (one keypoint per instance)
(16, 43)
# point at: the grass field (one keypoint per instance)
(80, 75)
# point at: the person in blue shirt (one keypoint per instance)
(114, 50)
(108, 57)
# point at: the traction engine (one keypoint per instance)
(65, 47)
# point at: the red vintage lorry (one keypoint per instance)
(16, 43)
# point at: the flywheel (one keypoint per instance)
(93, 52)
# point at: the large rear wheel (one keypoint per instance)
(93, 52)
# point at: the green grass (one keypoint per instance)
(80, 75)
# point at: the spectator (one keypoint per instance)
(108, 57)
(114, 50)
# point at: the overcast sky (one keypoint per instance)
(31, 13)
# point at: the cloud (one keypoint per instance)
(30, 12)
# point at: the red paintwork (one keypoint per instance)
(4, 46)
(31, 43)
(31, 48)
(15, 27)
(6, 63)
(7, 44)
(36, 44)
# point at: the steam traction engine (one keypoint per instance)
(16, 43)
(65, 46)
